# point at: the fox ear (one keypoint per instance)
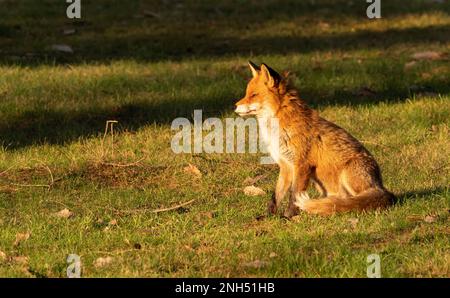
(271, 76)
(254, 68)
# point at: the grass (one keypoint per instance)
(146, 71)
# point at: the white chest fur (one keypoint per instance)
(269, 136)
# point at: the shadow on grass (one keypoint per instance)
(420, 194)
(109, 31)
(34, 127)
(59, 127)
(198, 31)
(178, 46)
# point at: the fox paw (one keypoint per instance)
(272, 207)
(291, 212)
(301, 199)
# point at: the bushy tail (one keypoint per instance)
(373, 198)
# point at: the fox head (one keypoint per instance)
(262, 97)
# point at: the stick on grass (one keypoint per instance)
(173, 207)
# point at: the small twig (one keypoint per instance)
(173, 207)
(130, 211)
(48, 186)
(123, 165)
(32, 185)
(51, 175)
(57, 202)
(112, 138)
(52, 180)
(7, 170)
(115, 252)
(235, 189)
(109, 124)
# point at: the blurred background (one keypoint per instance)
(335, 54)
(161, 30)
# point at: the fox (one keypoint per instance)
(311, 149)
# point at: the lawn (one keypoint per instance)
(66, 187)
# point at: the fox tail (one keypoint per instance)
(373, 198)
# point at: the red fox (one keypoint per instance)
(311, 148)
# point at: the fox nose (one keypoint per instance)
(240, 109)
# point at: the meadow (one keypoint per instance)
(70, 186)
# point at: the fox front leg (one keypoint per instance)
(300, 182)
(272, 205)
(292, 209)
(283, 184)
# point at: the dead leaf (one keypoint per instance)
(353, 222)
(317, 66)
(22, 260)
(273, 255)
(427, 55)
(188, 247)
(429, 219)
(192, 169)
(255, 264)
(151, 14)
(324, 25)
(179, 6)
(21, 237)
(62, 48)
(102, 262)
(64, 213)
(414, 217)
(253, 191)
(69, 31)
(110, 225)
(253, 180)
(410, 65)
(2, 256)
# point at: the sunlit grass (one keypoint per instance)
(145, 72)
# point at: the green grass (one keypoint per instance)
(144, 72)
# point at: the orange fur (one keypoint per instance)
(312, 149)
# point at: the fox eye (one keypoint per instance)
(253, 95)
